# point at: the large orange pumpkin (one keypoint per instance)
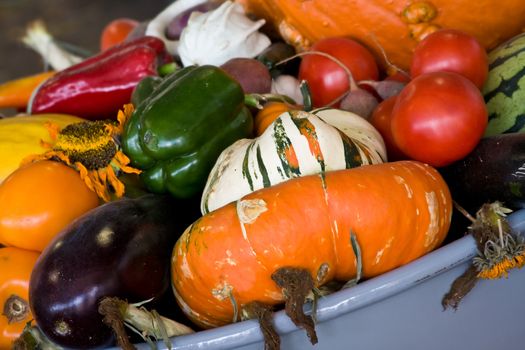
(395, 25)
(398, 212)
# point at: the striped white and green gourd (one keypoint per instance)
(297, 143)
(504, 90)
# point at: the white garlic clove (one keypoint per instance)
(217, 36)
(157, 26)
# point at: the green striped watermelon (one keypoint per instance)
(504, 90)
(295, 144)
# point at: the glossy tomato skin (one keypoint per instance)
(381, 119)
(116, 32)
(40, 199)
(327, 79)
(439, 118)
(450, 50)
(15, 270)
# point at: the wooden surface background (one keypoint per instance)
(78, 22)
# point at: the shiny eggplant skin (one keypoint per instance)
(122, 249)
(493, 171)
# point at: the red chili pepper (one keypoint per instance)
(97, 87)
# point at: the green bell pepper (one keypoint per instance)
(181, 125)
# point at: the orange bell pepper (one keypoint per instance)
(16, 93)
(15, 270)
(40, 199)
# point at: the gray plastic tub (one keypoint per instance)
(400, 309)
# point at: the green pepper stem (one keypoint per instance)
(258, 100)
(167, 69)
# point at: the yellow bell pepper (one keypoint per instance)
(24, 135)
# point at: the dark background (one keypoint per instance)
(79, 22)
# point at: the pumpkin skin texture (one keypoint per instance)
(269, 113)
(396, 25)
(398, 211)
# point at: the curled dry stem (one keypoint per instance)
(460, 288)
(499, 250)
(359, 261)
(296, 284)
(148, 324)
(263, 313)
(113, 310)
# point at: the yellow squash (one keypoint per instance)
(24, 135)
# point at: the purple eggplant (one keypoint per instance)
(120, 249)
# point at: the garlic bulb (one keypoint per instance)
(216, 36)
(157, 26)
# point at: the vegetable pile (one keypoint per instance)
(219, 162)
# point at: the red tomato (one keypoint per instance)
(398, 76)
(450, 50)
(116, 32)
(439, 118)
(381, 119)
(327, 79)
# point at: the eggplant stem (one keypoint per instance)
(162, 328)
(149, 324)
(33, 339)
(113, 310)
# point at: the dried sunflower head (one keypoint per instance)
(93, 149)
(499, 248)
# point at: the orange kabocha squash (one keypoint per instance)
(395, 25)
(398, 212)
(269, 113)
